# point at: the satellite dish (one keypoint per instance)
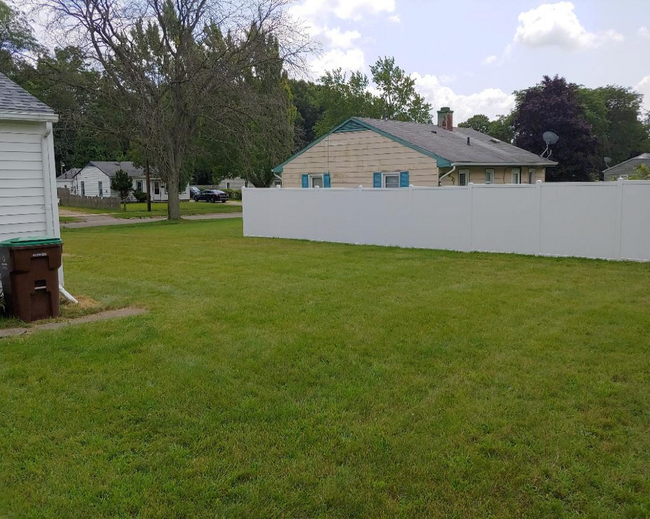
(550, 138)
(608, 161)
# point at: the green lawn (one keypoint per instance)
(284, 378)
(139, 210)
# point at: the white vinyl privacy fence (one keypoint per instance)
(608, 220)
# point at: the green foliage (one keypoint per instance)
(16, 39)
(555, 105)
(139, 195)
(642, 172)
(398, 99)
(479, 122)
(123, 184)
(233, 194)
(341, 97)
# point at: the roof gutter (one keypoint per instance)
(501, 164)
(27, 116)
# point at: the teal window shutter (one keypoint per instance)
(376, 180)
(305, 181)
(326, 180)
(404, 179)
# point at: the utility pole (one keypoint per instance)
(146, 170)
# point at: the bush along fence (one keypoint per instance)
(92, 202)
(608, 220)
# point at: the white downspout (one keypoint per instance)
(446, 175)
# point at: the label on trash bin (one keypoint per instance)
(40, 255)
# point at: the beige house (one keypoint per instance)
(393, 154)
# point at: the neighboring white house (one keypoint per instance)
(232, 183)
(95, 180)
(28, 202)
(65, 179)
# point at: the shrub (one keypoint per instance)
(233, 194)
(140, 195)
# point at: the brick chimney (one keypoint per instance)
(446, 118)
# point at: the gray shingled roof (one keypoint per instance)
(627, 168)
(110, 168)
(14, 99)
(452, 145)
(68, 175)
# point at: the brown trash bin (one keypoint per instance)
(29, 271)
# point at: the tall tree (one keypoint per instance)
(341, 97)
(398, 99)
(123, 184)
(554, 105)
(16, 38)
(177, 65)
(479, 122)
(305, 97)
(615, 115)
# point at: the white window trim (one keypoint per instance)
(466, 173)
(312, 176)
(492, 174)
(512, 175)
(389, 174)
(100, 188)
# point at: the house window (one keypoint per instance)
(531, 175)
(391, 180)
(315, 180)
(83, 188)
(227, 185)
(516, 175)
(489, 176)
(138, 185)
(463, 177)
(156, 188)
(100, 188)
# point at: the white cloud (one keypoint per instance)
(644, 88)
(491, 101)
(644, 33)
(395, 18)
(558, 25)
(341, 39)
(489, 60)
(349, 60)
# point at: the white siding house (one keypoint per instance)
(27, 174)
(95, 180)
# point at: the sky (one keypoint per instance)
(472, 55)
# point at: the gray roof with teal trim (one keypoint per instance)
(449, 148)
(16, 100)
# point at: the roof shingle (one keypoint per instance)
(453, 145)
(14, 99)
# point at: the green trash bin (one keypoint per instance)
(29, 275)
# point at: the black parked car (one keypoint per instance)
(194, 191)
(211, 195)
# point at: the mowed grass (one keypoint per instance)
(139, 210)
(284, 378)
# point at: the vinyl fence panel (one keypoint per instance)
(608, 220)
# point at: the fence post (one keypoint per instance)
(359, 232)
(470, 193)
(538, 187)
(618, 231)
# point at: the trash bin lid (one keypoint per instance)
(31, 241)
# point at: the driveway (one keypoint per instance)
(99, 220)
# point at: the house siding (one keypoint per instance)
(351, 159)
(91, 176)
(25, 192)
(502, 175)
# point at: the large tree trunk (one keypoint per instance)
(173, 199)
